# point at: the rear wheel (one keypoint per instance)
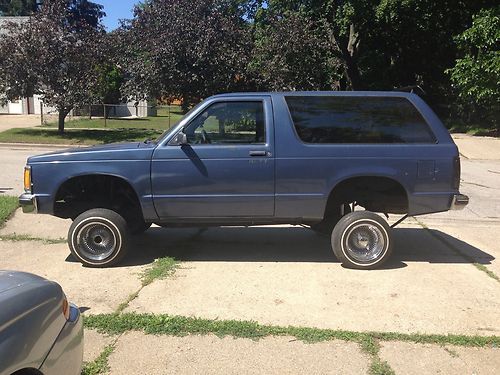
(362, 240)
(98, 237)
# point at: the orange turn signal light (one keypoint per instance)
(65, 308)
(27, 179)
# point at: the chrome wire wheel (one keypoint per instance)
(364, 242)
(96, 241)
(98, 237)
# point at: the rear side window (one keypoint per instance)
(344, 119)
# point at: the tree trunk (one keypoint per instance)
(351, 59)
(352, 72)
(348, 51)
(185, 104)
(63, 112)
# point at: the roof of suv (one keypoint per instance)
(322, 93)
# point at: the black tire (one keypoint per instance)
(98, 238)
(357, 232)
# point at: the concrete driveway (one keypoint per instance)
(441, 280)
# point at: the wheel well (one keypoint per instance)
(374, 193)
(83, 193)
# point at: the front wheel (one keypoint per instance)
(98, 237)
(362, 240)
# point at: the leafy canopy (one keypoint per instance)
(18, 7)
(477, 74)
(54, 54)
(187, 49)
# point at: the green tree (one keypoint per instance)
(187, 49)
(292, 53)
(108, 86)
(387, 44)
(54, 55)
(18, 7)
(477, 73)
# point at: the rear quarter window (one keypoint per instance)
(357, 119)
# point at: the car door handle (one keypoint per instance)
(258, 153)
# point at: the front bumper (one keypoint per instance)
(459, 201)
(28, 203)
(66, 356)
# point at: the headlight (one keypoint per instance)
(27, 179)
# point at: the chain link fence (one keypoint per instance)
(159, 117)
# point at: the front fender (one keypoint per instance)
(48, 177)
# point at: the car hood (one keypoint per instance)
(15, 279)
(130, 150)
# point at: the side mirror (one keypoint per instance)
(179, 139)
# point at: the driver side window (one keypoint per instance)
(232, 122)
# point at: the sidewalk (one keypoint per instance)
(137, 353)
(478, 148)
(18, 121)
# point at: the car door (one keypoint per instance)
(226, 170)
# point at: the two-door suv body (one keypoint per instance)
(310, 158)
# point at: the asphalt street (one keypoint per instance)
(12, 162)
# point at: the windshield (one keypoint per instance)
(168, 131)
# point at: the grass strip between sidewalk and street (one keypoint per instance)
(162, 324)
(8, 205)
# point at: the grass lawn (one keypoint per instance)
(156, 122)
(458, 126)
(163, 121)
(77, 136)
(8, 205)
(90, 132)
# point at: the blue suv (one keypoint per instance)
(327, 160)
